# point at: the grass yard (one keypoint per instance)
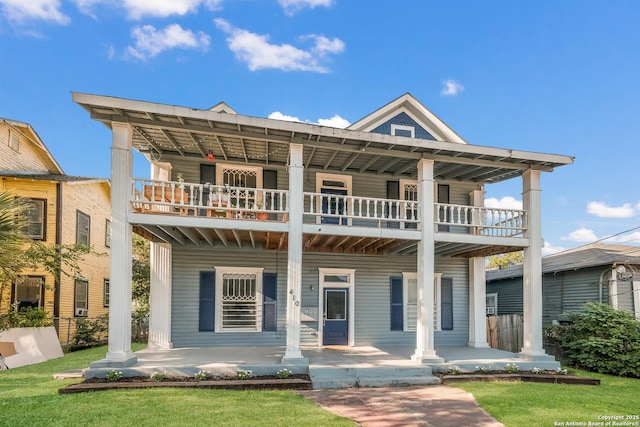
(527, 404)
(29, 397)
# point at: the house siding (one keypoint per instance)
(372, 296)
(26, 159)
(562, 293)
(405, 120)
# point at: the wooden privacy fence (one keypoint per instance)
(505, 332)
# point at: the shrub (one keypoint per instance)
(284, 373)
(158, 376)
(88, 333)
(511, 368)
(600, 339)
(113, 376)
(25, 318)
(242, 374)
(202, 375)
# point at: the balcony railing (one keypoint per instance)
(361, 211)
(480, 220)
(220, 201)
(209, 200)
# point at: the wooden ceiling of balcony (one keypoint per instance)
(317, 243)
(161, 131)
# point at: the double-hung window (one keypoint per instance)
(83, 222)
(404, 302)
(35, 217)
(238, 299)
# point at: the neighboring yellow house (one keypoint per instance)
(64, 210)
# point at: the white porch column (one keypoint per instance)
(160, 296)
(477, 291)
(294, 264)
(425, 349)
(532, 268)
(119, 353)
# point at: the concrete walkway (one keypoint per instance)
(437, 406)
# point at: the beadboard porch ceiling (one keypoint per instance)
(161, 130)
(318, 243)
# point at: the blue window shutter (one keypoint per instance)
(393, 192)
(269, 301)
(446, 304)
(207, 301)
(397, 316)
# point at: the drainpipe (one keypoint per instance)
(600, 283)
(58, 240)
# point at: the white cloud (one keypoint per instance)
(451, 87)
(292, 6)
(582, 235)
(21, 11)
(277, 115)
(601, 210)
(335, 122)
(149, 42)
(137, 9)
(256, 51)
(506, 202)
(549, 249)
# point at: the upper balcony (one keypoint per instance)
(378, 224)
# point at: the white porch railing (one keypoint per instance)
(154, 196)
(361, 211)
(480, 220)
(210, 200)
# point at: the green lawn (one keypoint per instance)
(29, 397)
(527, 404)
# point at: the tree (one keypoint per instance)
(505, 260)
(140, 280)
(18, 251)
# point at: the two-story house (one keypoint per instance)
(63, 210)
(297, 236)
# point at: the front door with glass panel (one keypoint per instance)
(336, 317)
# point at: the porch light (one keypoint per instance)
(210, 156)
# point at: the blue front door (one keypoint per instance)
(336, 317)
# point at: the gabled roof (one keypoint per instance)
(222, 107)
(409, 105)
(161, 131)
(41, 149)
(593, 255)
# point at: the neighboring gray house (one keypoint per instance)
(293, 235)
(593, 273)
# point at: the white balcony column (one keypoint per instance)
(532, 268)
(160, 296)
(119, 353)
(294, 264)
(425, 348)
(477, 290)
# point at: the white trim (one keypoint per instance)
(437, 319)
(347, 180)
(220, 271)
(410, 129)
(220, 168)
(493, 295)
(635, 284)
(350, 286)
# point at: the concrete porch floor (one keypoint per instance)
(386, 366)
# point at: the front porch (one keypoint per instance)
(328, 367)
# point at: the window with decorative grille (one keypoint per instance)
(240, 301)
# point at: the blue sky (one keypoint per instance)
(557, 77)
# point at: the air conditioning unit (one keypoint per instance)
(82, 312)
(491, 310)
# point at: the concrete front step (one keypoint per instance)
(383, 376)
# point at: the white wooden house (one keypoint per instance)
(294, 235)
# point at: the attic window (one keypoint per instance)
(14, 142)
(401, 130)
